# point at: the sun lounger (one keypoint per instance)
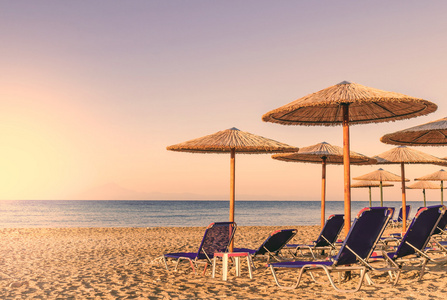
(411, 248)
(438, 241)
(398, 221)
(358, 245)
(217, 238)
(440, 229)
(393, 237)
(325, 241)
(272, 246)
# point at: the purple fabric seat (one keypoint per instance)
(398, 221)
(217, 238)
(358, 245)
(412, 247)
(419, 232)
(189, 255)
(300, 264)
(272, 246)
(441, 227)
(326, 240)
(438, 243)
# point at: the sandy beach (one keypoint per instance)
(118, 263)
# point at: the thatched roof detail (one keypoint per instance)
(233, 138)
(315, 154)
(429, 134)
(366, 183)
(440, 175)
(424, 185)
(366, 105)
(380, 175)
(403, 154)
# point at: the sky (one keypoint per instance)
(92, 92)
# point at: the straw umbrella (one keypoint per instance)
(424, 185)
(323, 153)
(441, 176)
(403, 155)
(433, 133)
(349, 103)
(370, 184)
(380, 175)
(231, 141)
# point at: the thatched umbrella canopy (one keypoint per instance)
(380, 175)
(323, 153)
(369, 184)
(441, 176)
(349, 103)
(231, 141)
(433, 133)
(403, 155)
(424, 185)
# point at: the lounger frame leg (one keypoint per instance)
(165, 262)
(363, 272)
(225, 268)
(249, 264)
(214, 266)
(237, 263)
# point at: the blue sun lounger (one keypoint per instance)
(217, 238)
(441, 227)
(325, 241)
(358, 245)
(438, 242)
(398, 221)
(412, 247)
(272, 245)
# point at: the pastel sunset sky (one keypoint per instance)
(92, 92)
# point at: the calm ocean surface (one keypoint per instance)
(37, 213)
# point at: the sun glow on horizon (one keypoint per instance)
(89, 100)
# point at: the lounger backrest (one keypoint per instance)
(365, 231)
(276, 241)
(441, 225)
(330, 231)
(400, 217)
(393, 211)
(217, 238)
(420, 230)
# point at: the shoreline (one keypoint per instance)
(118, 263)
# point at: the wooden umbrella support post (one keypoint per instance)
(323, 192)
(232, 189)
(442, 192)
(232, 183)
(404, 199)
(347, 168)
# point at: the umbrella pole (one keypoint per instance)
(425, 203)
(323, 192)
(442, 192)
(347, 168)
(232, 189)
(370, 202)
(404, 199)
(381, 194)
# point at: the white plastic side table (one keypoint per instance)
(236, 255)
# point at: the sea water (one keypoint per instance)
(82, 213)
